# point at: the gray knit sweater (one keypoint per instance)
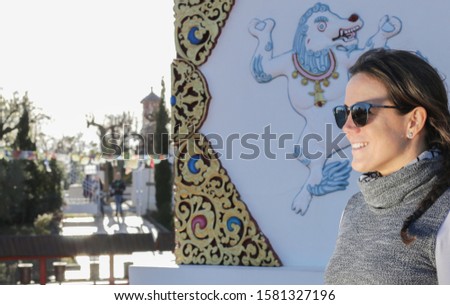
(369, 249)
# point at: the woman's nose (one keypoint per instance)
(349, 125)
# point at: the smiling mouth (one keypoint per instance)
(347, 34)
(359, 145)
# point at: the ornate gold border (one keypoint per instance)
(197, 27)
(213, 225)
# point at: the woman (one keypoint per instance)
(397, 229)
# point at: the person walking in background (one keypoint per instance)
(87, 187)
(99, 194)
(117, 188)
(396, 230)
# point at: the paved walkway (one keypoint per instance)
(82, 217)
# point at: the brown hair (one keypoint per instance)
(412, 82)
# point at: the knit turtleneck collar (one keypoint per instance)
(388, 191)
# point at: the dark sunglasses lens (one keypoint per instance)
(360, 113)
(340, 115)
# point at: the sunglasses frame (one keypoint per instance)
(356, 120)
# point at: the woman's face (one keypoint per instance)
(381, 145)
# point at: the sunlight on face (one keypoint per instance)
(381, 145)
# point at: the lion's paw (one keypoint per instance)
(301, 202)
(260, 27)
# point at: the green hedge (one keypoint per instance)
(28, 189)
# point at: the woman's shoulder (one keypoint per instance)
(356, 201)
(445, 197)
(356, 198)
(442, 204)
(446, 193)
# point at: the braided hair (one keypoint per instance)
(412, 82)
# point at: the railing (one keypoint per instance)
(43, 247)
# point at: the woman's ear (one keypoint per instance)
(417, 119)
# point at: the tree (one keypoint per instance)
(113, 134)
(116, 128)
(9, 116)
(162, 120)
(163, 170)
(12, 181)
(23, 139)
(28, 187)
(17, 113)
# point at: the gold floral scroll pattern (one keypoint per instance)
(190, 99)
(213, 225)
(198, 24)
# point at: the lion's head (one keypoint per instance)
(318, 31)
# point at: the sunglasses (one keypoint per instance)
(360, 113)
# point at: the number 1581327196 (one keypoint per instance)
(298, 295)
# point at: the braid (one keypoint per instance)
(438, 135)
(443, 182)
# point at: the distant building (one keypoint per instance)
(150, 106)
